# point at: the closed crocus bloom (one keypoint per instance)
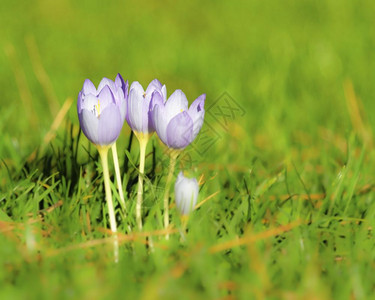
(139, 118)
(186, 193)
(176, 124)
(102, 111)
(139, 105)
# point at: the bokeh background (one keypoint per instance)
(288, 64)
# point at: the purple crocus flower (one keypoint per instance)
(102, 111)
(176, 124)
(186, 193)
(139, 105)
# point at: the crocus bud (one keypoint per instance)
(102, 111)
(186, 193)
(176, 124)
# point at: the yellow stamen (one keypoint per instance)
(98, 108)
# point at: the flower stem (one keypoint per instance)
(173, 156)
(118, 176)
(184, 221)
(103, 152)
(143, 140)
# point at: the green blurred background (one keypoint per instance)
(284, 62)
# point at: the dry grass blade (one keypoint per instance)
(205, 200)
(57, 121)
(49, 209)
(54, 126)
(122, 239)
(10, 226)
(357, 114)
(42, 75)
(22, 85)
(253, 238)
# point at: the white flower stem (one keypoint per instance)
(184, 220)
(118, 176)
(173, 156)
(103, 152)
(143, 140)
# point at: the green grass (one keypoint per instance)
(291, 172)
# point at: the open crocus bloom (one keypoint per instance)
(102, 111)
(139, 105)
(176, 124)
(186, 193)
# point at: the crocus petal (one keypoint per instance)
(89, 87)
(198, 103)
(156, 99)
(138, 87)
(154, 85)
(180, 176)
(79, 102)
(106, 82)
(180, 131)
(145, 116)
(121, 84)
(189, 199)
(164, 93)
(106, 97)
(135, 109)
(119, 81)
(198, 119)
(196, 112)
(186, 193)
(110, 125)
(123, 109)
(126, 89)
(193, 184)
(121, 95)
(89, 125)
(91, 104)
(176, 104)
(160, 122)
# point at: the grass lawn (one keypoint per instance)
(285, 159)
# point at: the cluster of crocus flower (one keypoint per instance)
(102, 112)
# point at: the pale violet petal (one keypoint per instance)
(160, 122)
(89, 88)
(91, 103)
(180, 131)
(176, 104)
(110, 124)
(164, 93)
(106, 82)
(198, 104)
(138, 87)
(156, 99)
(80, 101)
(186, 194)
(154, 85)
(135, 109)
(89, 125)
(106, 97)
